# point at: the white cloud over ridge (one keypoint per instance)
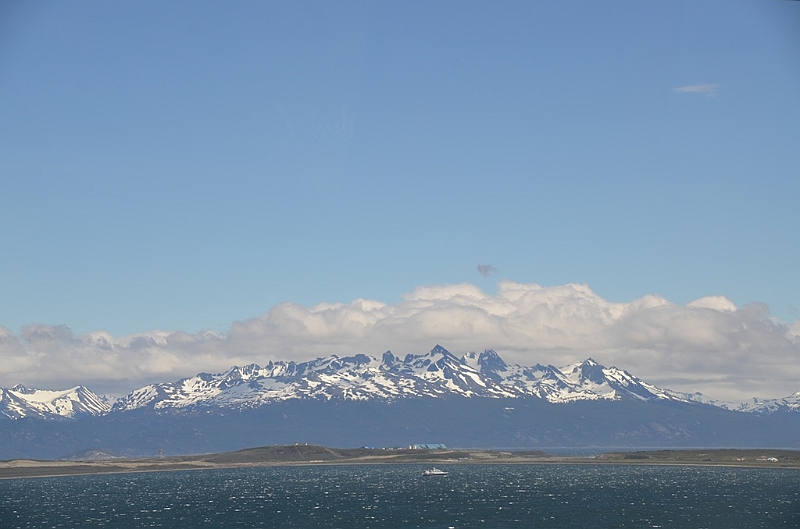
(708, 345)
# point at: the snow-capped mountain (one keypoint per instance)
(359, 377)
(18, 402)
(790, 404)
(585, 380)
(770, 406)
(435, 374)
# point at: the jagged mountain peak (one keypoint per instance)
(437, 373)
(438, 359)
(438, 350)
(489, 360)
(768, 406)
(488, 363)
(438, 355)
(388, 359)
(470, 359)
(19, 401)
(586, 371)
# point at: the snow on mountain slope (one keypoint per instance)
(770, 406)
(359, 377)
(790, 404)
(437, 373)
(19, 402)
(699, 398)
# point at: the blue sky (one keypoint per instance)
(185, 165)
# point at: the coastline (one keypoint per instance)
(315, 455)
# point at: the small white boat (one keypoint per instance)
(433, 472)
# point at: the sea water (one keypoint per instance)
(397, 496)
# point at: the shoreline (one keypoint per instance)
(293, 455)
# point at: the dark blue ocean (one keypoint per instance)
(485, 496)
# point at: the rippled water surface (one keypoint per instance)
(490, 496)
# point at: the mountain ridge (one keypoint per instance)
(19, 402)
(360, 377)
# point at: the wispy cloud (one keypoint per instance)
(708, 345)
(486, 270)
(710, 90)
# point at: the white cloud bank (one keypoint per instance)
(708, 345)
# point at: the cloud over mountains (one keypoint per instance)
(708, 345)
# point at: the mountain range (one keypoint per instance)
(435, 374)
(477, 401)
